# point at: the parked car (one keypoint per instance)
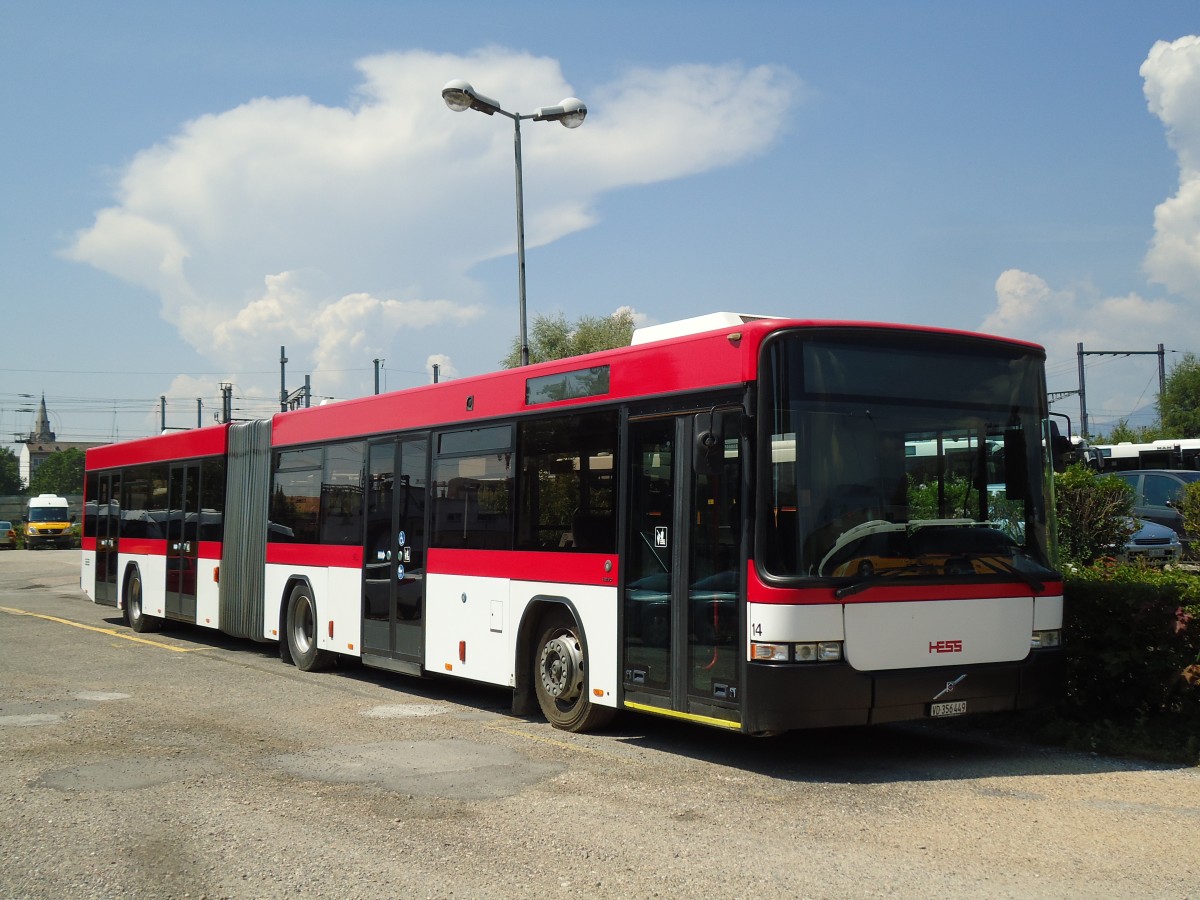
(1151, 542)
(1157, 494)
(8, 536)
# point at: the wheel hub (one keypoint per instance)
(561, 668)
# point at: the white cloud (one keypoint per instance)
(1029, 308)
(364, 220)
(1062, 318)
(640, 319)
(1022, 301)
(1172, 87)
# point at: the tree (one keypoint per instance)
(1123, 431)
(10, 472)
(1093, 514)
(1179, 404)
(59, 473)
(553, 337)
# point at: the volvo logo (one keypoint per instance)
(950, 686)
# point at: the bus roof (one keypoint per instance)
(196, 442)
(706, 352)
(674, 360)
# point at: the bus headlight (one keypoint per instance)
(1044, 639)
(815, 651)
(824, 651)
(829, 651)
(769, 652)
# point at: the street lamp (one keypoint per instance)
(459, 96)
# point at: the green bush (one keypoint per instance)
(1132, 639)
(1093, 515)
(1190, 508)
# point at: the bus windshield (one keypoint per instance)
(907, 456)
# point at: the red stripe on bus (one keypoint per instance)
(204, 550)
(143, 546)
(527, 565)
(336, 555)
(760, 592)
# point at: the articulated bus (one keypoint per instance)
(752, 523)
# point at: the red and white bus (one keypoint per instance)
(753, 523)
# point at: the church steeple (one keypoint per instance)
(41, 428)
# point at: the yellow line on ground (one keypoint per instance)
(108, 631)
(562, 744)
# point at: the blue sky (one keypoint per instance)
(190, 186)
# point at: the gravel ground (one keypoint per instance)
(190, 765)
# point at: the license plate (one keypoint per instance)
(953, 708)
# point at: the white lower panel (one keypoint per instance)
(153, 570)
(338, 595)
(87, 574)
(472, 623)
(937, 632)
(460, 617)
(208, 594)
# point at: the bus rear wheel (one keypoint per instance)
(560, 677)
(301, 631)
(135, 615)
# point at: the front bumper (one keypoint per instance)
(784, 697)
(64, 540)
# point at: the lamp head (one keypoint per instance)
(571, 112)
(459, 95)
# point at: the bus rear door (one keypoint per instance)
(108, 519)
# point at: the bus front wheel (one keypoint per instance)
(560, 677)
(302, 631)
(135, 615)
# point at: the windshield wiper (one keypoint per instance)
(1001, 566)
(996, 564)
(866, 581)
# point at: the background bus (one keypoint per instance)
(1165, 453)
(48, 523)
(756, 524)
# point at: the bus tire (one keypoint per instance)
(135, 614)
(560, 676)
(302, 631)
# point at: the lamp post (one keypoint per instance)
(459, 96)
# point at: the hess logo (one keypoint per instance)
(945, 646)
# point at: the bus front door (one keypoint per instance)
(108, 519)
(682, 565)
(394, 554)
(183, 540)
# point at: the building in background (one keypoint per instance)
(41, 443)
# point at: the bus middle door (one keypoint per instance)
(394, 554)
(183, 540)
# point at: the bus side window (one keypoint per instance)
(567, 487)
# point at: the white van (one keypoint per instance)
(48, 523)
